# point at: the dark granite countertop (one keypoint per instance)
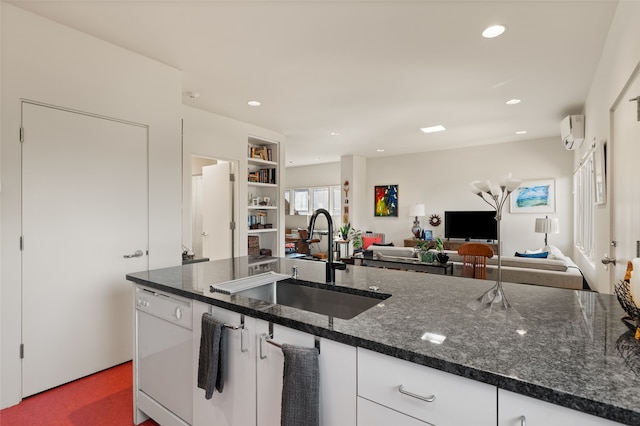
(569, 347)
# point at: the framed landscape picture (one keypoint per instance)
(385, 201)
(534, 196)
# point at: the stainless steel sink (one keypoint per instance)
(327, 300)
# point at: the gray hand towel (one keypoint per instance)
(211, 362)
(300, 387)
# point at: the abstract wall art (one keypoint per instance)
(386, 201)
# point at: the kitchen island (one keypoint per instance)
(570, 348)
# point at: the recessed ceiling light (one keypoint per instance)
(432, 129)
(289, 162)
(521, 132)
(254, 103)
(493, 31)
(380, 150)
(513, 101)
(334, 134)
(317, 158)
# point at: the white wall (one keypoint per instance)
(441, 180)
(620, 56)
(316, 175)
(209, 135)
(47, 62)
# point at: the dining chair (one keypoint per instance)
(304, 242)
(474, 259)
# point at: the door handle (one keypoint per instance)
(403, 391)
(138, 253)
(204, 234)
(607, 260)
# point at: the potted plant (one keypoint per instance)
(441, 255)
(344, 231)
(422, 247)
(356, 238)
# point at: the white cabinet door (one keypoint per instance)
(338, 383)
(270, 363)
(372, 414)
(236, 405)
(512, 407)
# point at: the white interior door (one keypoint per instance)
(625, 209)
(84, 208)
(216, 211)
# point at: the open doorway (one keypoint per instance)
(212, 208)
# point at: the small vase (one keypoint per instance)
(442, 257)
(426, 257)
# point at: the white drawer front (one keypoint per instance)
(514, 407)
(457, 401)
(372, 414)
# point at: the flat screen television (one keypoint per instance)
(471, 225)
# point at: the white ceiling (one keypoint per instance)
(373, 71)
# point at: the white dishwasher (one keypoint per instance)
(164, 357)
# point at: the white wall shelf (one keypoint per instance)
(261, 231)
(262, 167)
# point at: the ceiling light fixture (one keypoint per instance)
(380, 150)
(254, 103)
(334, 134)
(521, 132)
(193, 95)
(513, 101)
(493, 31)
(432, 129)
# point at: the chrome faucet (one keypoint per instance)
(330, 266)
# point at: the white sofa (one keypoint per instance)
(556, 271)
(560, 272)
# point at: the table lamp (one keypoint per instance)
(547, 226)
(416, 210)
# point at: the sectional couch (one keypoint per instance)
(557, 270)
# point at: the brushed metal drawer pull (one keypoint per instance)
(420, 397)
(523, 421)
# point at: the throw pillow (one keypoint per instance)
(536, 251)
(367, 241)
(555, 253)
(542, 255)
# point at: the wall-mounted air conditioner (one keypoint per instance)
(572, 131)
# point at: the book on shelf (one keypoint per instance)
(263, 176)
(258, 220)
(260, 153)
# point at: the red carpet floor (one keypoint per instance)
(104, 398)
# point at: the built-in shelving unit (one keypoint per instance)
(263, 196)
